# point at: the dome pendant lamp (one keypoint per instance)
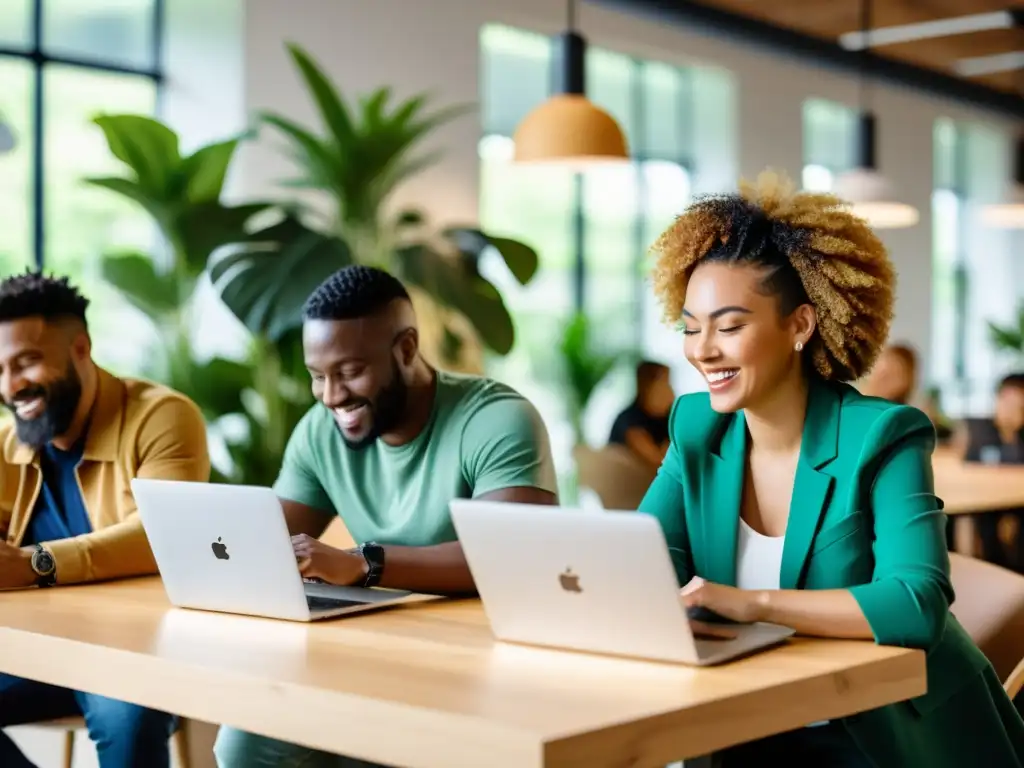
(568, 130)
(1010, 215)
(870, 195)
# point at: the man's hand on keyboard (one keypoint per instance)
(334, 566)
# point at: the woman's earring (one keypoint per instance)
(799, 347)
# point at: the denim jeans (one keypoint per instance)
(126, 735)
(239, 749)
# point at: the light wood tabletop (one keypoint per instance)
(426, 686)
(967, 488)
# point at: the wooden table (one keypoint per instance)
(426, 686)
(970, 488)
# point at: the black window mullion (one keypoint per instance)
(157, 62)
(38, 158)
(960, 271)
(636, 86)
(40, 59)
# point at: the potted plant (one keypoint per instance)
(1010, 338)
(584, 369)
(363, 151)
(183, 195)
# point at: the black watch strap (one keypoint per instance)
(373, 553)
(44, 566)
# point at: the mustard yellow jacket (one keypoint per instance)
(137, 429)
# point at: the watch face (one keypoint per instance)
(42, 563)
(374, 554)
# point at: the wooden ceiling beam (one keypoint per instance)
(712, 19)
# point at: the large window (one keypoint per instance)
(976, 277)
(830, 142)
(63, 62)
(593, 230)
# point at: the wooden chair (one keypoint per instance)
(619, 478)
(70, 726)
(990, 606)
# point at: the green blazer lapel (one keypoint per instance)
(812, 487)
(721, 494)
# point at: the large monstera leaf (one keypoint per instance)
(266, 283)
(453, 285)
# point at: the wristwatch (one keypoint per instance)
(44, 566)
(373, 553)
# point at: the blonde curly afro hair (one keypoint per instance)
(842, 266)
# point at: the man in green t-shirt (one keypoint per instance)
(389, 444)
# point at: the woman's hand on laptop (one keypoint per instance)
(320, 561)
(741, 605)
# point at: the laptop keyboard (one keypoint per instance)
(330, 603)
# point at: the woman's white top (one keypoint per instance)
(759, 564)
(758, 559)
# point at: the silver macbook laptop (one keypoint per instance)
(596, 581)
(226, 548)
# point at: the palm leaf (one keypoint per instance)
(332, 109)
(135, 277)
(145, 145)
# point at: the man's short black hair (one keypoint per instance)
(353, 291)
(1015, 380)
(33, 294)
(647, 372)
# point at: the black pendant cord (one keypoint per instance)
(1018, 148)
(569, 58)
(866, 25)
(866, 158)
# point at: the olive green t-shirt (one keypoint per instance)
(481, 437)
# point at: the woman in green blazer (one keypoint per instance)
(788, 497)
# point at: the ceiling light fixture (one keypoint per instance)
(1010, 214)
(925, 30)
(869, 194)
(568, 130)
(978, 66)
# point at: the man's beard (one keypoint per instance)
(387, 410)
(61, 397)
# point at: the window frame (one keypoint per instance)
(961, 385)
(38, 58)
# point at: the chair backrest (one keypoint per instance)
(618, 477)
(990, 605)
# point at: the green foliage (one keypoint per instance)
(1009, 338)
(361, 154)
(584, 368)
(266, 284)
(183, 195)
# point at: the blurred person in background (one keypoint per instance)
(998, 440)
(643, 425)
(894, 375)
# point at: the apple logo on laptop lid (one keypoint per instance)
(220, 550)
(569, 581)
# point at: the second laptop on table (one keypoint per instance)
(597, 581)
